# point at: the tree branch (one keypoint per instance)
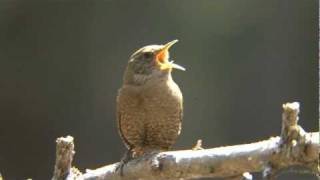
(293, 148)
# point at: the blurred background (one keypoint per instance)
(62, 64)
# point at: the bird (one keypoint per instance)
(149, 102)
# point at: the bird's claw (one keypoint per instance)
(120, 167)
(125, 159)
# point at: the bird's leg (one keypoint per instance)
(128, 155)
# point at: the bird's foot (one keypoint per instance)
(124, 160)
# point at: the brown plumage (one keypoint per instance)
(149, 103)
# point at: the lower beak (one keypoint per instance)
(176, 66)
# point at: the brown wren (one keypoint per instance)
(149, 103)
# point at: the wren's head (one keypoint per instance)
(150, 62)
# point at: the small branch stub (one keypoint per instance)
(64, 157)
(296, 146)
(290, 129)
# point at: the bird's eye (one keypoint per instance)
(147, 55)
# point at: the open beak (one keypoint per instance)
(162, 57)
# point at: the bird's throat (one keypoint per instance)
(140, 79)
(144, 79)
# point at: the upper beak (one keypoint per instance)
(163, 52)
(169, 44)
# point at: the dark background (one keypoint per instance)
(62, 63)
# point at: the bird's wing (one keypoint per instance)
(181, 116)
(119, 119)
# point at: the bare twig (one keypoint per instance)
(293, 148)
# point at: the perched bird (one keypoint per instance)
(149, 103)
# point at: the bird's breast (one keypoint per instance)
(150, 115)
(163, 94)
